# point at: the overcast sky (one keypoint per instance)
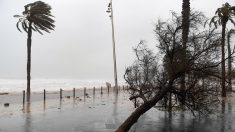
(81, 45)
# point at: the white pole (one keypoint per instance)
(114, 49)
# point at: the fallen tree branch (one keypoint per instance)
(126, 125)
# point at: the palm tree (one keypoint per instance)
(223, 15)
(231, 31)
(36, 17)
(185, 31)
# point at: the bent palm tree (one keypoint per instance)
(223, 15)
(36, 17)
(231, 31)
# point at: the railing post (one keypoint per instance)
(60, 93)
(23, 97)
(73, 92)
(84, 92)
(44, 93)
(93, 90)
(101, 90)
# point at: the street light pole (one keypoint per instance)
(110, 11)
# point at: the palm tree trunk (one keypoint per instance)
(29, 41)
(170, 102)
(185, 32)
(229, 64)
(223, 58)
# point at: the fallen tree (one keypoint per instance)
(158, 83)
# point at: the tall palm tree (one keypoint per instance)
(36, 17)
(230, 32)
(185, 31)
(223, 15)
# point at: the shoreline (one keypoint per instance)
(37, 85)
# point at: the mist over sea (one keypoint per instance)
(37, 85)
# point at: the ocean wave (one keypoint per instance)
(37, 85)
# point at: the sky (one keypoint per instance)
(81, 45)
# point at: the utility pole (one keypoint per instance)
(110, 11)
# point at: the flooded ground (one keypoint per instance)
(103, 113)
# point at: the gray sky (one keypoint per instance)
(81, 45)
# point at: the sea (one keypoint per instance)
(38, 85)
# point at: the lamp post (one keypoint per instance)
(110, 12)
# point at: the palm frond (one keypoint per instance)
(17, 25)
(214, 21)
(17, 16)
(226, 11)
(24, 26)
(39, 14)
(37, 29)
(33, 28)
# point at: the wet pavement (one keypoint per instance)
(104, 113)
